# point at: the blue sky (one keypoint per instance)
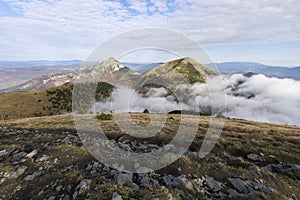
(229, 30)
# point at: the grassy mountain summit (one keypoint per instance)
(180, 71)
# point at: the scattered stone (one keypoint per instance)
(214, 185)
(40, 193)
(261, 187)
(66, 140)
(255, 157)
(252, 156)
(32, 154)
(19, 171)
(233, 193)
(83, 186)
(147, 182)
(58, 188)
(43, 158)
(184, 181)
(20, 155)
(293, 167)
(124, 179)
(51, 198)
(116, 196)
(241, 186)
(47, 145)
(32, 176)
(3, 153)
(254, 168)
(274, 167)
(249, 187)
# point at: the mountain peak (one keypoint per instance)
(111, 64)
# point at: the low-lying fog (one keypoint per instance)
(257, 98)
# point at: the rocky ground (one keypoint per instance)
(51, 163)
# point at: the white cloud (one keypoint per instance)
(257, 98)
(82, 25)
(138, 5)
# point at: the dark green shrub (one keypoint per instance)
(104, 116)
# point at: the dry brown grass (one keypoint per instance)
(278, 143)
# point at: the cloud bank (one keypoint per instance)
(70, 29)
(257, 98)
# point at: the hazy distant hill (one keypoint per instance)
(271, 71)
(12, 65)
(109, 74)
(15, 73)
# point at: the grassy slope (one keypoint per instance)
(46, 102)
(278, 143)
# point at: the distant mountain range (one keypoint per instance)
(15, 74)
(14, 65)
(228, 68)
(245, 67)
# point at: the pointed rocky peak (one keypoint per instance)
(111, 65)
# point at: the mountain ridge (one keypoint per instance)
(113, 71)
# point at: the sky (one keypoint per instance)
(265, 31)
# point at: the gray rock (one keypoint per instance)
(43, 158)
(213, 184)
(32, 154)
(47, 145)
(261, 187)
(148, 182)
(32, 176)
(168, 180)
(191, 154)
(249, 187)
(19, 171)
(125, 146)
(274, 167)
(234, 158)
(51, 198)
(254, 169)
(124, 178)
(252, 156)
(242, 186)
(18, 161)
(58, 188)
(184, 181)
(20, 155)
(233, 193)
(40, 193)
(66, 197)
(141, 146)
(116, 196)
(293, 167)
(83, 186)
(3, 153)
(66, 140)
